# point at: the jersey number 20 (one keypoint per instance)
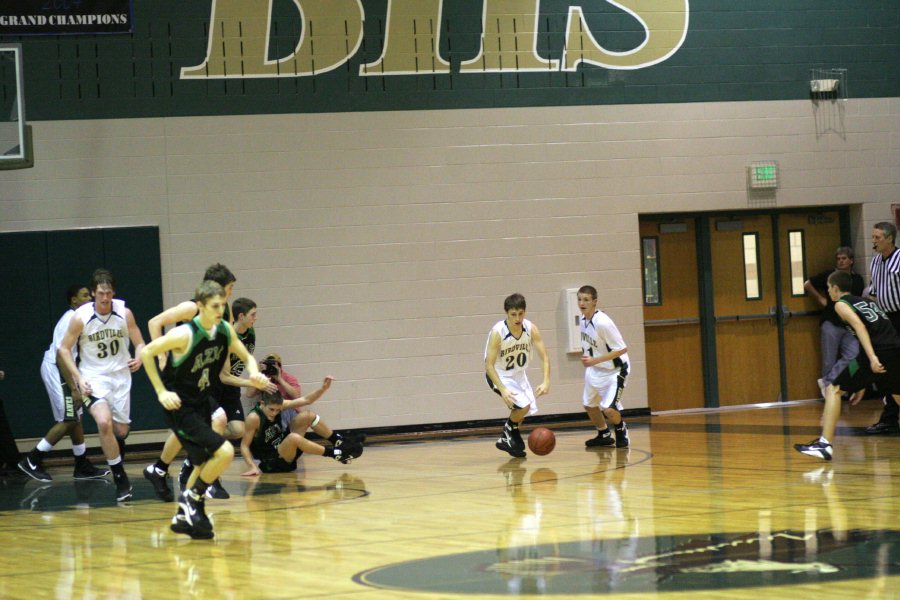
(516, 359)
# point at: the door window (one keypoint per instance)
(752, 283)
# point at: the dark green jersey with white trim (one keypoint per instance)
(249, 340)
(194, 376)
(881, 331)
(268, 437)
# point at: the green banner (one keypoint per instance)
(62, 17)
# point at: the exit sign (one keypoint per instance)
(763, 175)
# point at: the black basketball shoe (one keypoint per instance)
(622, 440)
(816, 448)
(85, 469)
(503, 444)
(124, 493)
(216, 491)
(603, 439)
(347, 449)
(159, 480)
(185, 474)
(179, 523)
(34, 470)
(193, 507)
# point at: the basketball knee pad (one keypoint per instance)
(315, 421)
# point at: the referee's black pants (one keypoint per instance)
(891, 410)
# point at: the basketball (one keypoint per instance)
(541, 441)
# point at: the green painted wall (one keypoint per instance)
(733, 50)
(38, 267)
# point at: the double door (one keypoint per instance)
(726, 319)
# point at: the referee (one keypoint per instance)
(884, 288)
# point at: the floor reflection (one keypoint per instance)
(709, 505)
(523, 561)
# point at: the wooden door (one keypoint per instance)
(817, 235)
(672, 324)
(745, 301)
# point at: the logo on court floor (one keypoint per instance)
(652, 564)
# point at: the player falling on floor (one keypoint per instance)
(878, 360)
(605, 360)
(200, 350)
(506, 357)
(278, 447)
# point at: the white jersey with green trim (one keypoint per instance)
(515, 353)
(599, 336)
(103, 346)
(59, 332)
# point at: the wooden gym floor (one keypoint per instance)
(717, 504)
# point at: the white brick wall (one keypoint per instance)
(380, 246)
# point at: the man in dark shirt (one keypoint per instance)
(839, 346)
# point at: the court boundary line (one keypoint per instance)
(736, 407)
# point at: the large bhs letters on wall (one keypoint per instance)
(61, 17)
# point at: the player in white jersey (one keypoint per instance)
(605, 358)
(506, 356)
(68, 419)
(103, 330)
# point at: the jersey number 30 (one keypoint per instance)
(104, 350)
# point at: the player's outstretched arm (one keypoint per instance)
(177, 314)
(237, 347)
(226, 377)
(310, 398)
(184, 311)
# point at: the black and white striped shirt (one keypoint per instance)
(885, 286)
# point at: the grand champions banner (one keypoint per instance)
(62, 17)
